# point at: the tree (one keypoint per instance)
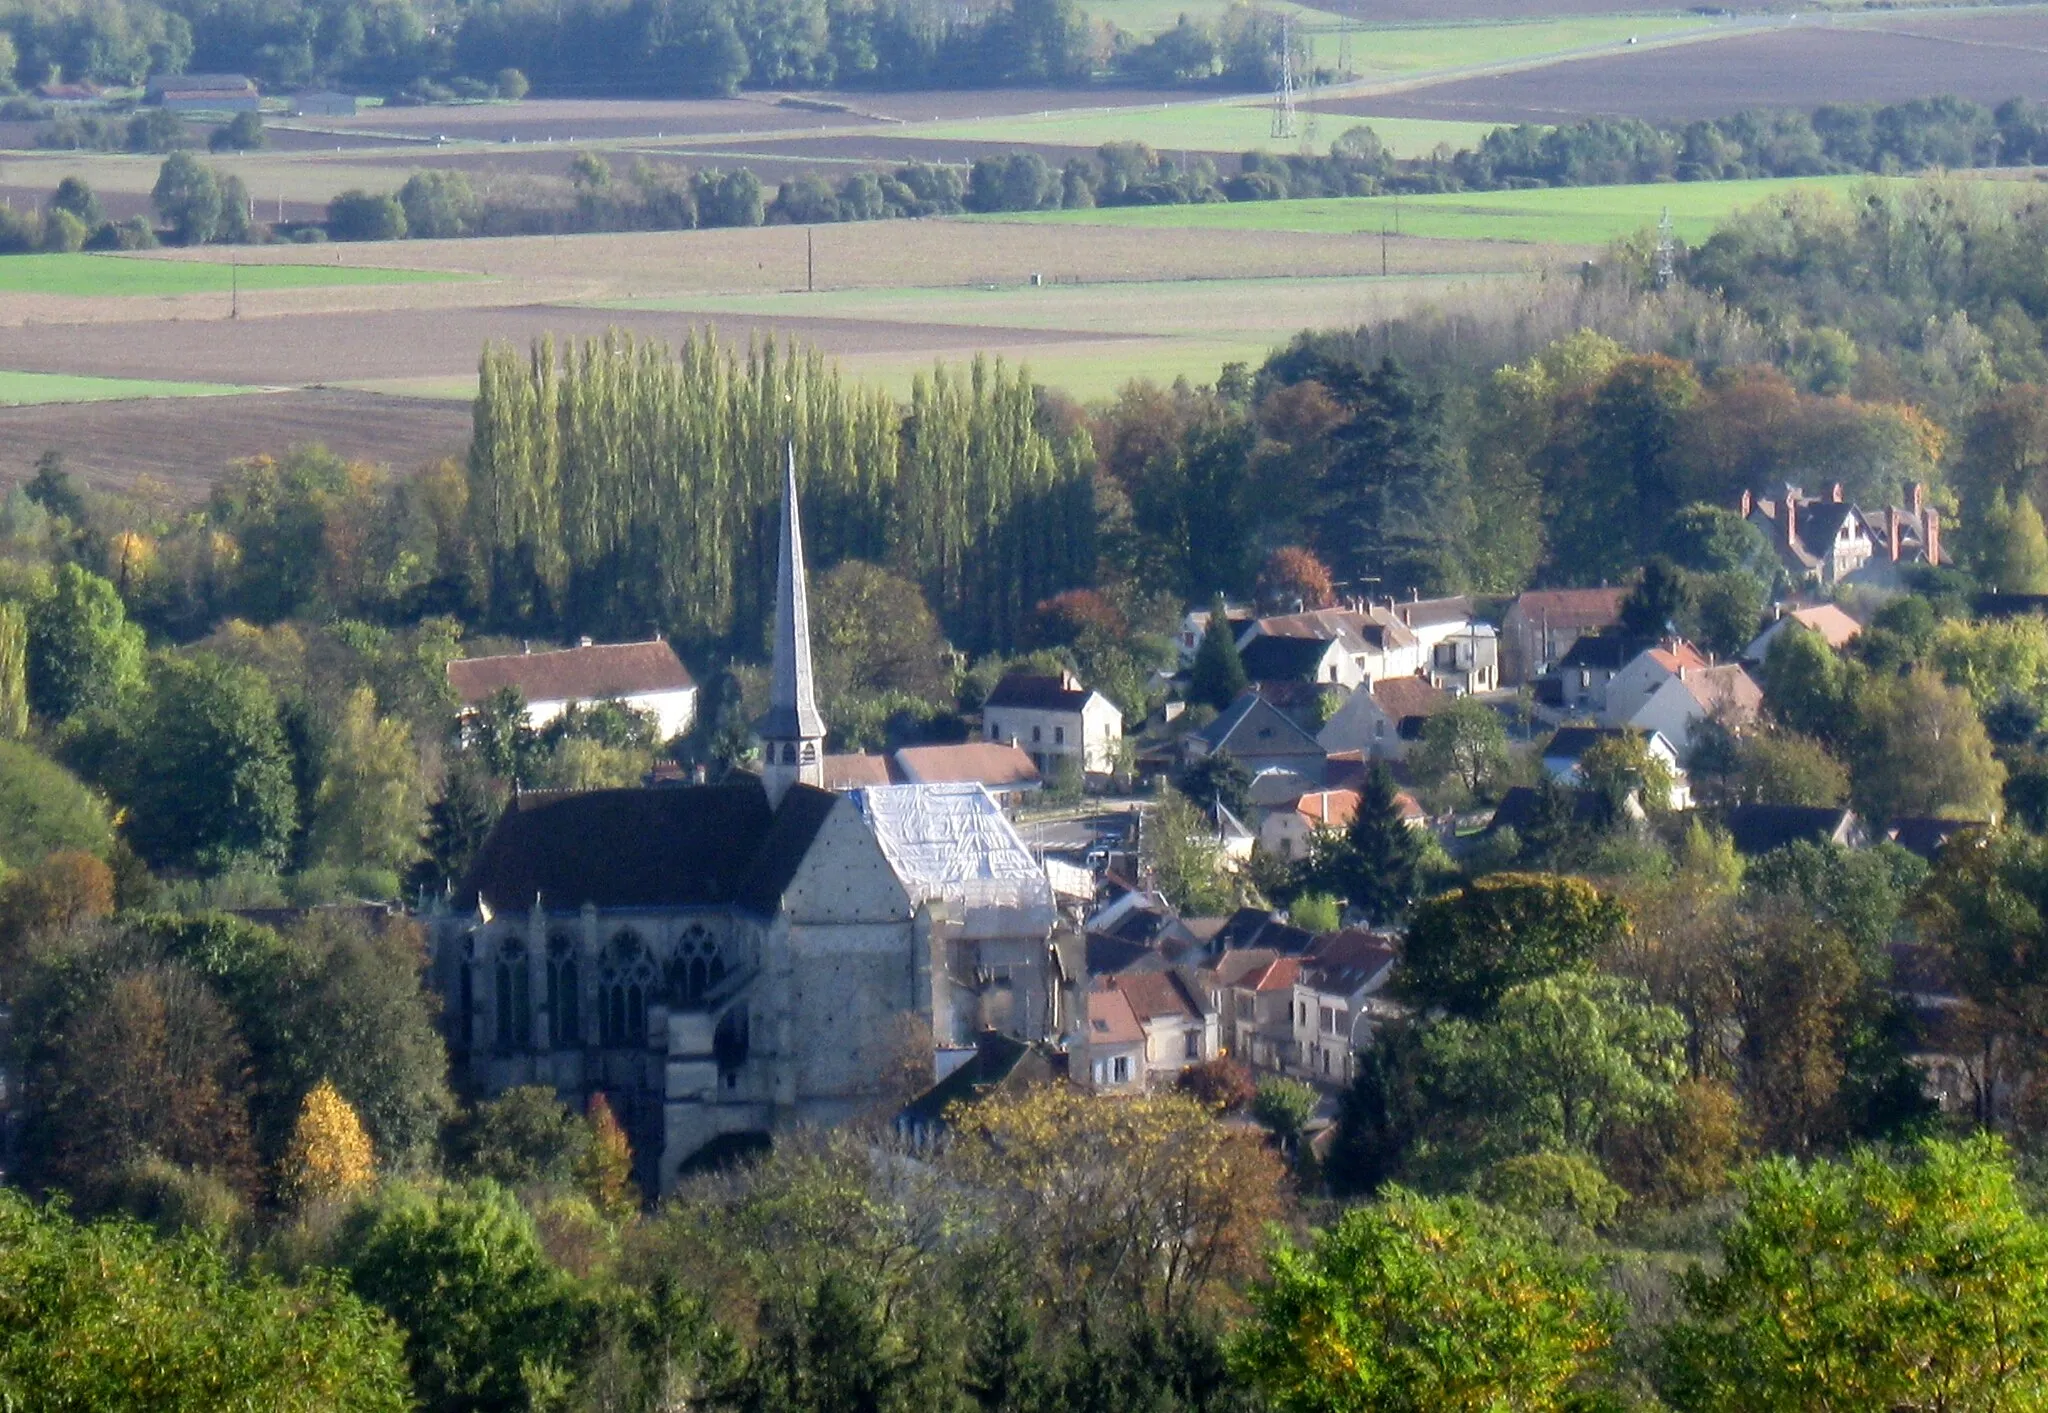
(525, 1135)
(1186, 862)
(605, 1171)
(13, 671)
(1623, 768)
(1916, 1285)
(511, 85)
(44, 807)
(1560, 1063)
(242, 133)
(1468, 947)
(1923, 752)
(1315, 912)
(1781, 767)
(488, 1320)
(1808, 687)
(1293, 579)
(83, 653)
(145, 1063)
(329, 1156)
(1660, 600)
(1222, 1083)
(369, 810)
(1284, 1106)
(1218, 778)
(360, 215)
(1414, 1305)
(1123, 1204)
(874, 635)
(2012, 547)
(207, 769)
(1381, 867)
(1218, 673)
(1464, 747)
(108, 1316)
(187, 198)
(62, 889)
(439, 205)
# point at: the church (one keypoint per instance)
(724, 961)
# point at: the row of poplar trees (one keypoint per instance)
(618, 487)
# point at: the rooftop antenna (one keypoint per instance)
(1667, 251)
(1283, 92)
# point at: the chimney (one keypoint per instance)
(1892, 522)
(525, 647)
(583, 642)
(1919, 497)
(1932, 535)
(1791, 516)
(1835, 492)
(1747, 504)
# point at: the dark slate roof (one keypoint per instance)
(678, 846)
(1758, 829)
(1572, 742)
(1240, 928)
(1253, 727)
(1036, 692)
(1110, 956)
(1274, 659)
(1141, 925)
(999, 1060)
(1925, 836)
(1517, 808)
(1607, 651)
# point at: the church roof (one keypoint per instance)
(951, 842)
(669, 847)
(792, 705)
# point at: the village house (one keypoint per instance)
(1382, 721)
(1053, 719)
(1220, 978)
(1540, 627)
(1260, 737)
(1270, 658)
(1644, 673)
(1581, 678)
(1371, 642)
(645, 676)
(1824, 540)
(1262, 1011)
(1285, 833)
(998, 767)
(1179, 1026)
(1676, 708)
(1757, 830)
(1562, 753)
(1195, 623)
(1338, 1003)
(1837, 628)
(1111, 1052)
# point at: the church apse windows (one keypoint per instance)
(695, 970)
(624, 982)
(565, 995)
(514, 997)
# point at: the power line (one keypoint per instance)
(1283, 93)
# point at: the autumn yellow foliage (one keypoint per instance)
(330, 1155)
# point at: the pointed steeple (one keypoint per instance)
(792, 732)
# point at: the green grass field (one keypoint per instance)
(28, 389)
(121, 274)
(1585, 215)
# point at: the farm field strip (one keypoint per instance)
(95, 275)
(36, 389)
(1591, 215)
(1154, 308)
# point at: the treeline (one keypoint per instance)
(616, 486)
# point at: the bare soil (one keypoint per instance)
(185, 442)
(1801, 66)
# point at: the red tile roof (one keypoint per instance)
(1571, 608)
(1111, 1021)
(996, 764)
(1278, 975)
(580, 674)
(856, 769)
(1154, 994)
(1328, 809)
(1403, 697)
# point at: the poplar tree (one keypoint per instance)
(330, 1154)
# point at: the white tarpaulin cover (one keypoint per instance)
(951, 842)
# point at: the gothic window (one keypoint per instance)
(810, 752)
(789, 753)
(623, 983)
(696, 969)
(565, 995)
(465, 998)
(515, 999)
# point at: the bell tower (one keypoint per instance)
(792, 732)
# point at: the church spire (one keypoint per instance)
(792, 733)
